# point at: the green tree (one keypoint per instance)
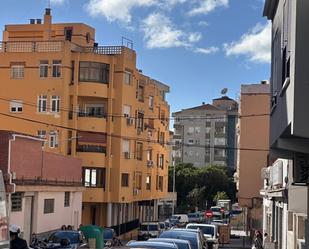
(220, 195)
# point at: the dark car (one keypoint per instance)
(192, 237)
(151, 244)
(65, 239)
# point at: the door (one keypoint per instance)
(93, 214)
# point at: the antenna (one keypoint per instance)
(224, 91)
(48, 4)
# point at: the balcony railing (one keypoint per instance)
(102, 50)
(47, 182)
(91, 148)
(30, 46)
(92, 115)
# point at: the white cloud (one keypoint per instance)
(256, 44)
(207, 6)
(116, 10)
(203, 23)
(57, 2)
(210, 50)
(159, 32)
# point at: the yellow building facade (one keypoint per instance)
(90, 102)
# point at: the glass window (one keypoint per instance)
(17, 71)
(125, 180)
(42, 135)
(56, 68)
(140, 93)
(125, 145)
(140, 121)
(94, 72)
(148, 182)
(138, 180)
(42, 103)
(94, 177)
(16, 202)
(43, 69)
(161, 160)
(151, 102)
(55, 104)
(128, 77)
(49, 205)
(139, 151)
(67, 196)
(16, 106)
(127, 110)
(53, 139)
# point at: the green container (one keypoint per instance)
(94, 232)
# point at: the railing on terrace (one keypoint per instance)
(30, 46)
(47, 182)
(92, 115)
(103, 50)
(91, 148)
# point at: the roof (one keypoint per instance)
(224, 98)
(207, 107)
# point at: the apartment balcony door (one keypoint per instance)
(93, 214)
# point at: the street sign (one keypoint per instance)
(209, 214)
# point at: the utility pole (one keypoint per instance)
(174, 179)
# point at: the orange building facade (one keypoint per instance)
(90, 102)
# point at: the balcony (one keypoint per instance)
(101, 50)
(93, 89)
(91, 148)
(95, 195)
(31, 46)
(92, 122)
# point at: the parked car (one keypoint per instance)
(181, 244)
(110, 239)
(218, 222)
(197, 231)
(193, 237)
(69, 239)
(182, 218)
(151, 244)
(210, 233)
(163, 226)
(149, 230)
(193, 217)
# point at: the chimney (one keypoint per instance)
(38, 21)
(203, 103)
(264, 82)
(32, 21)
(47, 24)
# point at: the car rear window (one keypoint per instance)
(205, 229)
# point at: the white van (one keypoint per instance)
(183, 218)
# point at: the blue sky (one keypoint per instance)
(197, 47)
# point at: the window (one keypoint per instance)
(56, 68)
(138, 180)
(140, 93)
(148, 182)
(127, 111)
(151, 102)
(72, 71)
(17, 71)
(197, 130)
(42, 103)
(219, 152)
(139, 151)
(159, 183)
(125, 146)
(161, 138)
(67, 196)
(16, 106)
(208, 124)
(149, 154)
(42, 135)
(161, 161)
(55, 104)
(44, 69)
(88, 37)
(190, 130)
(128, 77)
(68, 32)
(125, 180)
(94, 72)
(140, 121)
(49, 206)
(53, 139)
(190, 141)
(16, 202)
(94, 177)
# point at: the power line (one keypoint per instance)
(114, 115)
(131, 138)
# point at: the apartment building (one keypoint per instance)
(253, 144)
(206, 134)
(289, 120)
(44, 199)
(90, 102)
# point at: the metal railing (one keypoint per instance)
(47, 182)
(102, 50)
(91, 148)
(92, 115)
(30, 46)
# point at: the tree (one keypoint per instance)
(220, 195)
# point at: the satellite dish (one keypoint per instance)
(224, 91)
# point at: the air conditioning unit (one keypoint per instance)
(130, 121)
(265, 174)
(127, 155)
(150, 163)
